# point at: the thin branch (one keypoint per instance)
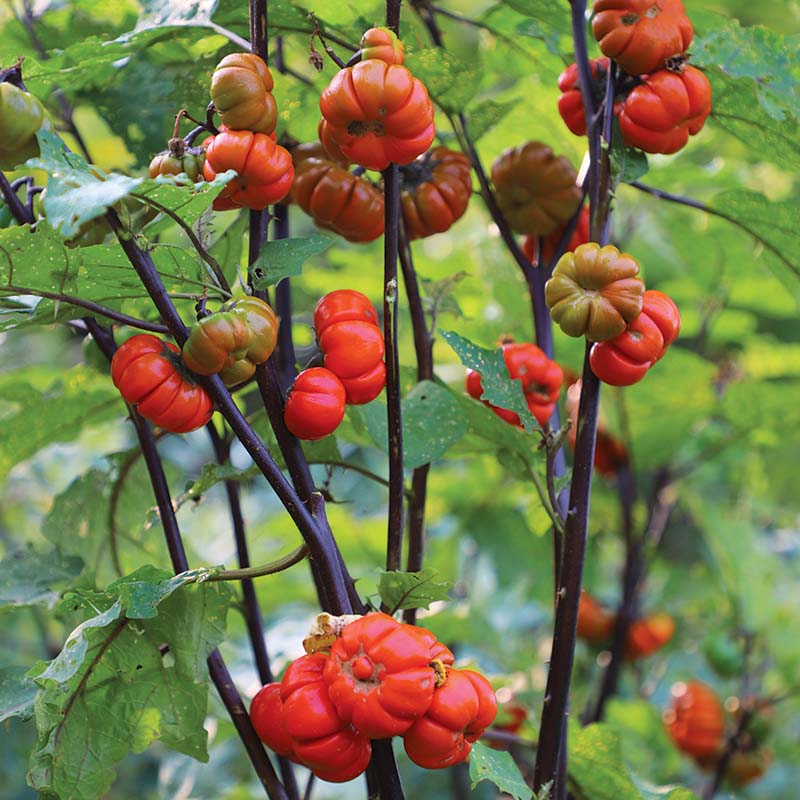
(732, 744)
(544, 499)
(113, 504)
(247, 574)
(252, 612)
(551, 757)
(632, 577)
(239, 41)
(691, 203)
(27, 20)
(216, 269)
(94, 308)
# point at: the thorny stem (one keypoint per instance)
(423, 346)
(216, 666)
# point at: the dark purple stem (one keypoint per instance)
(216, 666)
(252, 613)
(632, 575)
(391, 184)
(320, 543)
(423, 346)
(551, 759)
(283, 307)
(17, 208)
(552, 729)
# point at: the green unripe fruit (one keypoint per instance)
(21, 116)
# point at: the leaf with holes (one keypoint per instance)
(132, 673)
(498, 388)
(284, 258)
(431, 423)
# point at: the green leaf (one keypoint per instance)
(486, 114)
(544, 19)
(158, 13)
(596, 769)
(210, 475)
(16, 693)
(766, 60)
(38, 416)
(285, 257)
(75, 193)
(30, 578)
(431, 423)
(773, 223)
(452, 82)
(499, 768)
(401, 590)
(498, 388)
(132, 673)
(101, 517)
(737, 109)
(627, 163)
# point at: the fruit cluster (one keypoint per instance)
(668, 100)
(376, 112)
(354, 373)
(373, 678)
(646, 635)
(595, 291)
(241, 92)
(539, 376)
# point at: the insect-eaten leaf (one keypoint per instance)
(432, 423)
(498, 387)
(284, 258)
(402, 590)
(134, 671)
(499, 768)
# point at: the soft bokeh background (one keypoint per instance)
(721, 411)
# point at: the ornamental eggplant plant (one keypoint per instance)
(300, 423)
